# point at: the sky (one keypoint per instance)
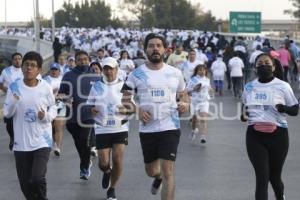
(22, 10)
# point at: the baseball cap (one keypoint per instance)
(71, 58)
(110, 61)
(54, 66)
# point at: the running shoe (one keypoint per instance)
(56, 151)
(203, 138)
(156, 186)
(11, 145)
(106, 179)
(86, 173)
(193, 134)
(94, 153)
(111, 194)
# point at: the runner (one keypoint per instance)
(9, 75)
(75, 86)
(30, 101)
(218, 69)
(188, 66)
(111, 133)
(268, 100)
(198, 88)
(54, 80)
(157, 85)
(97, 69)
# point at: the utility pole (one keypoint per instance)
(5, 23)
(37, 27)
(53, 22)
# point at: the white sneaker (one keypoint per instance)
(193, 134)
(94, 153)
(203, 138)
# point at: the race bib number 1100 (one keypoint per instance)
(160, 95)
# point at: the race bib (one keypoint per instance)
(111, 122)
(160, 95)
(261, 97)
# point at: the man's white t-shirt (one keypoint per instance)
(30, 133)
(218, 69)
(262, 98)
(53, 82)
(10, 74)
(236, 66)
(156, 91)
(127, 65)
(106, 97)
(188, 67)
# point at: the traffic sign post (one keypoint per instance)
(245, 22)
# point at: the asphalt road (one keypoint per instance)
(218, 170)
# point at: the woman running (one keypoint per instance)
(198, 88)
(267, 100)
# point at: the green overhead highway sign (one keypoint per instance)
(245, 22)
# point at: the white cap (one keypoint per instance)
(110, 61)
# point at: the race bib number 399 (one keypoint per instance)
(261, 97)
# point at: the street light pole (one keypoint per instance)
(37, 27)
(53, 22)
(5, 23)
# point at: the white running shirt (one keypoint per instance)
(30, 133)
(10, 74)
(261, 99)
(106, 97)
(156, 91)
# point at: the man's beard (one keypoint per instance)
(155, 58)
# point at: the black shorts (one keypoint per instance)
(160, 145)
(107, 140)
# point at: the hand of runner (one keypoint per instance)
(123, 110)
(144, 116)
(41, 114)
(197, 87)
(16, 97)
(182, 107)
(94, 111)
(280, 108)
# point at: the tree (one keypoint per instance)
(294, 13)
(179, 14)
(88, 13)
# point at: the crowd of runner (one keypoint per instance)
(101, 78)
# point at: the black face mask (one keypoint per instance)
(264, 72)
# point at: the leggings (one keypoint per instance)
(285, 73)
(267, 153)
